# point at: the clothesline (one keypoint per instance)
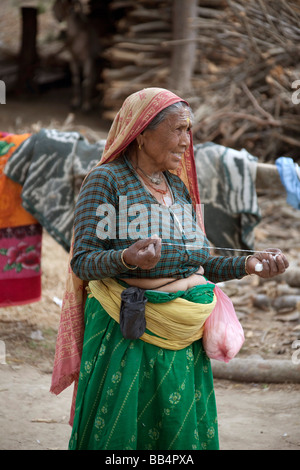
(218, 248)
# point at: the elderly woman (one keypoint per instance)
(144, 382)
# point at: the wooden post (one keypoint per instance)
(184, 47)
(28, 50)
(267, 177)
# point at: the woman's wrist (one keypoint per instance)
(125, 263)
(246, 268)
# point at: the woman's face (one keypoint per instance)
(163, 147)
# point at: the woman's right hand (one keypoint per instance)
(273, 262)
(144, 253)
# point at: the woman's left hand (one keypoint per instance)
(273, 262)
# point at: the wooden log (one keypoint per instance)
(214, 3)
(258, 370)
(204, 12)
(128, 71)
(183, 55)
(146, 14)
(261, 301)
(267, 177)
(149, 26)
(137, 46)
(141, 58)
(292, 277)
(286, 302)
(288, 139)
(109, 115)
(122, 4)
(118, 38)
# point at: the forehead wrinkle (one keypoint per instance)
(176, 118)
(183, 121)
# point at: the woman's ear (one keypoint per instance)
(140, 141)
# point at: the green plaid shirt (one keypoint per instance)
(114, 209)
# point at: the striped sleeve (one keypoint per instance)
(93, 256)
(222, 268)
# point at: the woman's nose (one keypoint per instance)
(185, 139)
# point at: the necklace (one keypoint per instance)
(161, 191)
(153, 179)
(164, 192)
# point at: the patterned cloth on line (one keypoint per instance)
(50, 165)
(227, 179)
(20, 236)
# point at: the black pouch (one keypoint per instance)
(132, 312)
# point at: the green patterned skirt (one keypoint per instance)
(136, 396)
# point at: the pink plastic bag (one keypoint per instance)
(223, 334)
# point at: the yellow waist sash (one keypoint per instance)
(175, 324)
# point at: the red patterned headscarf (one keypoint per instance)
(137, 112)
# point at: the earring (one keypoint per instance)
(140, 147)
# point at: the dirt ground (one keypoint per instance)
(251, 417)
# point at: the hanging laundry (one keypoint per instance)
(20, 237)
(51, 166)
(227, 185)
(289, 173)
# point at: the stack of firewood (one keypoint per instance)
(247, 63)
(137, 57)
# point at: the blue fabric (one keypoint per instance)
(289, 174)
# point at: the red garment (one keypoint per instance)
(20, 237)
